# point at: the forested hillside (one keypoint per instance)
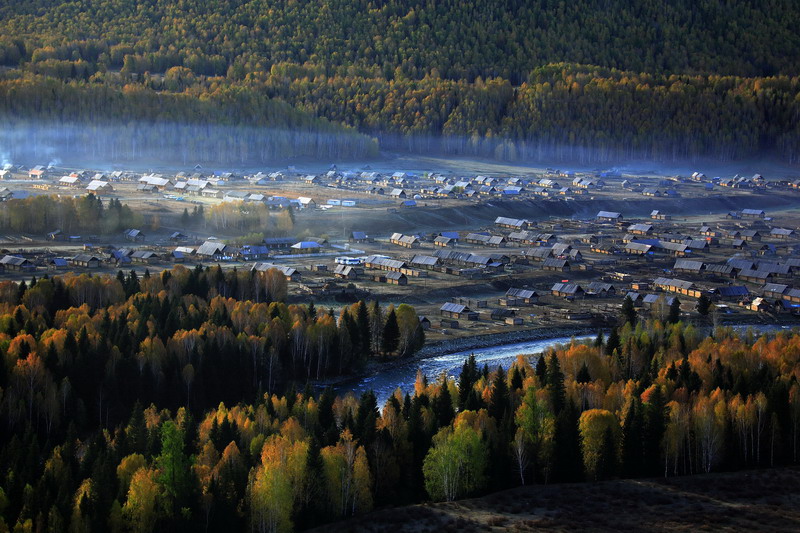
(166, 403)
(585, 80)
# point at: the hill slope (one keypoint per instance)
(589, 80)
(760, 500)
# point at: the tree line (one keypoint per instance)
(566, 111)
(72, 215)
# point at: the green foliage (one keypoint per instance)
(174, 474)
(455, 464)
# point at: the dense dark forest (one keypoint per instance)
(167, 402)
(582, 80)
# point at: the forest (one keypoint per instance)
(184, 401)
(246, 81)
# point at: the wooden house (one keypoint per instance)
(15, 263)
(85, 261)
(567, 290)
(458, 311)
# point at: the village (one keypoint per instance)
(475, 255)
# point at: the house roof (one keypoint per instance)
(521, 293)
(13, 260)
(85, 258)
(732, 291)
(305, 245)
(775, 287)
(454, 308)
(424, 260)
(567, 288)
(210, 248)
(688, 264)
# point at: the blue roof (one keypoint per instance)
(410, 203)
(450, 234)
(306, 244)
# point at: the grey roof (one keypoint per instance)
(519, 223)
(263, 267)
(675, 283)
(688, 264)
(454, 308)
(210, 248)
(425, 260)
(569, 288)
(85, 258)
(143, 254)
(343, 269)
(555, 263)
(653, 298)
(740, 264)
(719, 269)
(640, 227)
(520, 293)
(609, 214)
(758, 274)
(775, 287)
(775, 268)
(13, 260)
(637, 247)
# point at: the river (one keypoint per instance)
(404, 375)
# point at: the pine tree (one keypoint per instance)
(442, 405)
(703, 305)
(583, 375)
(613, 342)
(541, 371)
(674, 312)
(466, 381)
(607, 456)
(567, 463)
(656, 414)
(628, 312)
(555, 380)
(391, 334)
(516, 379)
(499, 403)
(632, 440)
(362, 322)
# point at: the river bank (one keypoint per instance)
(494, 339)
(373, 367)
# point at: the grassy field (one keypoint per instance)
(759, 500)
